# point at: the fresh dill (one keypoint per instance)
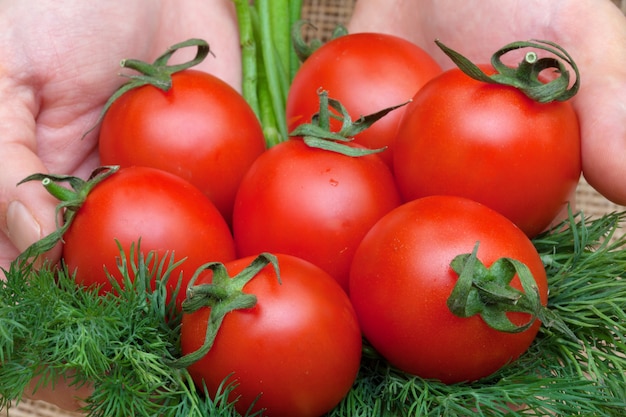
(123, 343)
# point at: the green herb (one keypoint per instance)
(125, 344)
(556, 376)
(121, 344)
(269, 62)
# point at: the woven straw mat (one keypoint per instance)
(325, 15)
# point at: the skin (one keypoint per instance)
(58, 57)
(59, 66)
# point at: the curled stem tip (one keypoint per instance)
(526, 76)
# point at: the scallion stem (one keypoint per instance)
(271, 65)
(295, 15)
(268, 60)
(248, 55)
(263, 94)
(279, 17)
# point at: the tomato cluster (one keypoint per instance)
(370, 245)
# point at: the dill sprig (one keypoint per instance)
(556, 376)
(123, 344)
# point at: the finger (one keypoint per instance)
(213, 21)
(599, 103)
(30, 210)
(27, 212)
(603, 130)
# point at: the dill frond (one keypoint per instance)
(123, 343)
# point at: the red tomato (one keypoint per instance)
(311, 203)
(299, 346)
(401, 279)
(201, 130)
(165, 211)
(366, 72)
(490, 143)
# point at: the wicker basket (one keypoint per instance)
(325, 15)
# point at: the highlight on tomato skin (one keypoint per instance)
(490, 143)
(367, 72)
(201, 129)
(401, 279)
(300, 345)
(164, 212)
(311, 203)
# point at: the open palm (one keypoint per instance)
(60, 64)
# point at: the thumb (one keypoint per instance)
(599, 103)
(603, 131)
(27, 211)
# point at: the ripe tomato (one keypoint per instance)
(311, 203)
(401, 279)
(366, 72)
(490, 143)
(201, 130)
(165, 211)
(299, 346)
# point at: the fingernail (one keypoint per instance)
(22, 227)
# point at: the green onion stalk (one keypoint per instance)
(269, 61)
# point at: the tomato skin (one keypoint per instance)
(492, 144)
(165, 211)
(311, 203)
(300, 345)
(366, 72)
(401, 278)
(201, 130)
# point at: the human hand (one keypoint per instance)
(592, 31)
(60, 64)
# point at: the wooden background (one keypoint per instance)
(326, 14)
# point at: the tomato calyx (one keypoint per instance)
(486, 291)
(223, 295)
(525, 76)
(157, 73)
(303, 48)
(317, 134)
(70, 201)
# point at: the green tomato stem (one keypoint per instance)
(223, 295)
(526, 77)
(57, 191)
(70, 200)
(487, 292)
(301, 48)
(317, 134)
(158, 74)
